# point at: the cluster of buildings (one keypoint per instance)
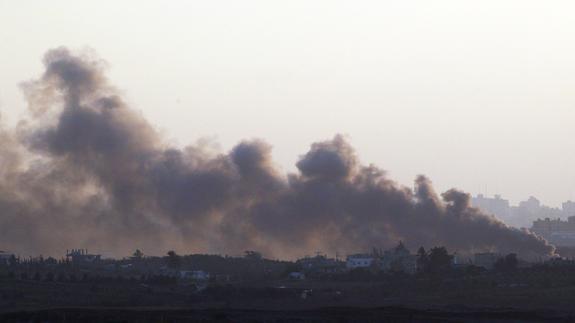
(543, 220)
(398, 259)
(200, 273)
(556, 231)
(523, 214)
(83, 257)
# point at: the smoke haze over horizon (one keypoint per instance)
(84, 170)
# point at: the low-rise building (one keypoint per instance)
(399, 259)
(81, 256)
(359, 261)
(320, 264)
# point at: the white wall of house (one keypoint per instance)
(359, 262)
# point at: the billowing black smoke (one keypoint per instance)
(86, 171)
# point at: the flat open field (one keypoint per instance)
(332, 314)
(285, 301)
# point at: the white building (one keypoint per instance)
(197, 275)
(359, 261)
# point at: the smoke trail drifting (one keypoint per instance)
(87, 171)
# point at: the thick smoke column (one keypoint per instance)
(87, 171)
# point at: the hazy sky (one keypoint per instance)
(478, 95)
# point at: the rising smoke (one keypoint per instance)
(87, 171)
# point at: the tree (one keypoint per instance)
(253, 255)
(439, 260)
(174, 261)
(138, 254)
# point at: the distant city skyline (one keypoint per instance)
(512, 203)
(524, 213)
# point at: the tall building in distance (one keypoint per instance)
(557, 225)
(556, 231)
(568, 207)
(495, 205)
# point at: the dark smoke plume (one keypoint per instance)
(87, 171)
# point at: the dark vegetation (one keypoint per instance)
(143, 289)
